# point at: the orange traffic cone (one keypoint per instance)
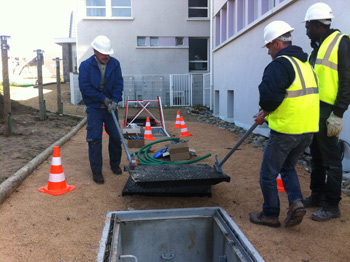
(280, 186)
(184, 131)
(178, 120)
(148, 131)
(104, 130)
(57, 181)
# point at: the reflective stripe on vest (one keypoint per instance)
(299, 111)
(326, 68)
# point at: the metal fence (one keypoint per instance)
(174, 90)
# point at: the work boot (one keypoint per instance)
(295, 214)
(312, 201)
(326, 213)
(98, 177)
(260, 219)
(117, 170)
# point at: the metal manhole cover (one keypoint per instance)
(176, 175)
(131, 188)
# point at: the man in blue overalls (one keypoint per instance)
(101, 85)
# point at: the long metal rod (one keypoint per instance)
(131, 161)
(238, 144)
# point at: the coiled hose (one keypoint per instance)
(149, 160)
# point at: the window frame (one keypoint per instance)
(242, 15)
(180, 39)
(93, 7)
(109, 10)
(154, 38)
(121, 7)
(198, 8)
(199, 61)
(139, 38)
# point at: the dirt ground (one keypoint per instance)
(39, 227)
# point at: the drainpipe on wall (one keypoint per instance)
(211, 68)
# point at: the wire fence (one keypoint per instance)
(195, 91)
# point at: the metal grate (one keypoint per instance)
(131, 188)
(176, 175)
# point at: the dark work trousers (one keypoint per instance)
(96, 117)
(280, 156)
(326, 164)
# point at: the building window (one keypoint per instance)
(108, 8)
(236, 15)
(141, 41)
(96, 7)
(198, 8)
(162, 41)
(154, 41)
(121, 8)
(198, 54)
(179, 41)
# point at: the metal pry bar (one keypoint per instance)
(218, 165)
(132, 161)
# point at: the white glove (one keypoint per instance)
(334, 125)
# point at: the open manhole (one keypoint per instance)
(190, 234)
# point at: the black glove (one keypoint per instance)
(112, 106)
(107, 101)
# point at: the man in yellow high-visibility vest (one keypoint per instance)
(330, 58)
(289, 98)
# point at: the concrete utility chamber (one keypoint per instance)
(175, 235)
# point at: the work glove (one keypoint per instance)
(107, 101)
(112, 106)
(260, 118)
(334, 125)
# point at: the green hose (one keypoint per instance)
(149, 160)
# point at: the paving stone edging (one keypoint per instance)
(14, 181)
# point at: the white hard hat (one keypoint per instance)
(319, 11)
(103, 45)
(275, 29)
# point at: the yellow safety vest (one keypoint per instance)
(299, 111)
(326, 68)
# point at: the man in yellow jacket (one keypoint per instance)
(289, 98)
(330, 58)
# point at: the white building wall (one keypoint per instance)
(238, 63)
(156, 18)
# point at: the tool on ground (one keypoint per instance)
(132, 161)
(218, 164)
(160, 152)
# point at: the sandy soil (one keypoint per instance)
(39, 227)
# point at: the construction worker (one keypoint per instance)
(101, 85)
(330, 58)
(289, 100)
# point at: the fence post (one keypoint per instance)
(58, 80)
(40, 61)
(6, 84)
